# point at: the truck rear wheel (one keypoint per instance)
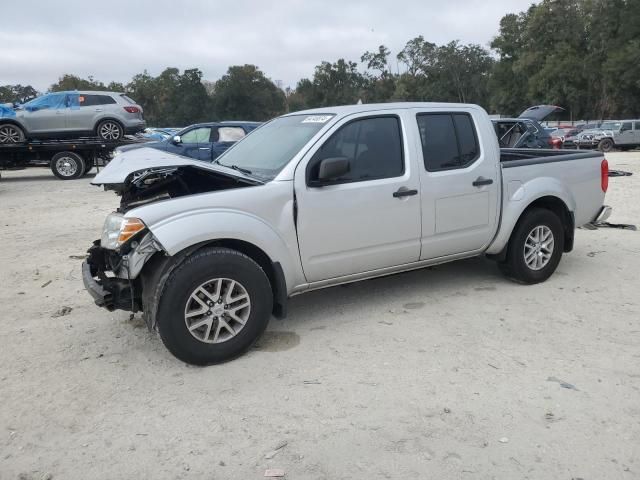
(214, 306)
(535, 247)
(67, 165)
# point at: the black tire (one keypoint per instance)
(515, 265)
(606, 145)
(11, 134)
(67, 165)
(110, 130)
(197, 269)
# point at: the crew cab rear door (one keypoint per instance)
(223, 137)
(369, 217)
(460, 178)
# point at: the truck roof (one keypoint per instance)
(368, 107)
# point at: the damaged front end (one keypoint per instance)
(164, 183)
(112, 277)
(113, 270)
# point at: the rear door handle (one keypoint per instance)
(481, 181)
(98, 109)
(404, 192)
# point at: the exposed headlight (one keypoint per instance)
(118, 229)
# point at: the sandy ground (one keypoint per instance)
(446, 373)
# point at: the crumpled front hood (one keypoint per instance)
(126, 163)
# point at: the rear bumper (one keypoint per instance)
(602, 216)
(135, 128)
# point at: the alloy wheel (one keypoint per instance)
(217, 310)
(109, 131)
(10, 134)
(538, 247)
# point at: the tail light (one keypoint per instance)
(132, 109)
(604, 175)
(555, 142)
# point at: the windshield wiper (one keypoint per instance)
(234, 167)
(239, 169)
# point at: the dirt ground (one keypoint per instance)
(446, 373)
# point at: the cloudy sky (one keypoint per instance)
(286, 38)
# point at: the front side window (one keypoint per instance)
(373, 147)
(49, 101)
(197, 135)
(449, 140)
(626, 126)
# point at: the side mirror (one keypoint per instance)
(176, 139)
(333, 168)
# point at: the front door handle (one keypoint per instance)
(481, 181)
(404, 192)
(205, 148)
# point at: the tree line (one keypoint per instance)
(583, 55)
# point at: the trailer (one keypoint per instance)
(68, 159)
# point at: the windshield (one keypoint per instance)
(269, 148)
(610, 126)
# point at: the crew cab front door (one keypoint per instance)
(195, 143)
(627, 135)
(460, 179)
(367, 218)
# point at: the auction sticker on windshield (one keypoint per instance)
(317, 119)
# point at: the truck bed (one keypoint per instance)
(515, 157)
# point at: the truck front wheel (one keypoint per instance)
(214, 306)
(606, 145)
(67, 165)
(535, 248)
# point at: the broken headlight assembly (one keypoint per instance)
(118, 229)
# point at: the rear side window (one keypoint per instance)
(106, 100)
(230, 134)
(93, 100)
(449, 140)
(373, 147)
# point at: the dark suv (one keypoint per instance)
(526, 131)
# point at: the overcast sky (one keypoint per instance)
(114, 40)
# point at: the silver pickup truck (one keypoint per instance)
(323, 197)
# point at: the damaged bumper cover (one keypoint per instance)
(112, 277)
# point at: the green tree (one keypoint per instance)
(73, 82)
(17, 93)
(245, 93)
(380, 82)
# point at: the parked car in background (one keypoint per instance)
(202, 141)
(623, 135)
(107, 115)
(158, 134)
(313, 199)
(526, 130)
